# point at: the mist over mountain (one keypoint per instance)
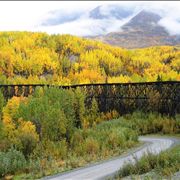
(99, 13)
(105, 19)
(141, 31)
(108, 18)
(138, 24)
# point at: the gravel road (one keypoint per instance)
(104, 169)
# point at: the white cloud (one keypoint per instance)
(20, 15)
(172, 25)
(29, 15)
(85, 26)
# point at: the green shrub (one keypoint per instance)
(27, 144)
(58, 150)
(147, 123)
(34, 166)
(166, 163)
(11, 162)
(4, 144)
(1, 104)
(107, 137)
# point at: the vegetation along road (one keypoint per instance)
(101, 170)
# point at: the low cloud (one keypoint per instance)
(85, 27)
(50, 16)
(171, 25)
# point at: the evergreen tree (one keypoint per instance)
(94, 112)
(79, 107)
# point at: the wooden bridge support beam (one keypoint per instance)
(163, 97)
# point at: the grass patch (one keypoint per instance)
(165, 164)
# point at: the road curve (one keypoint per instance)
(103, 169)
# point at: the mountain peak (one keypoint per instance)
(146, 24)
(96, 13)
(147, 14)
(144, 19)
(141, 31)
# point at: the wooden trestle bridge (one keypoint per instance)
(162, 97)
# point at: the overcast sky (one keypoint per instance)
(29, 15)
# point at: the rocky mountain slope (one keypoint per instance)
(141, 31)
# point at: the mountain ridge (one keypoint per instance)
(142, 30)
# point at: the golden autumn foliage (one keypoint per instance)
(27, 128)
(27, 57)
(16, 128)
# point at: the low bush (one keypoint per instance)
(108, 136)
(11, 162)
(147, 123)
(91, 146)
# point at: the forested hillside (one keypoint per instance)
(27, 57)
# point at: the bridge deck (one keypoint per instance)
(163, 97)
